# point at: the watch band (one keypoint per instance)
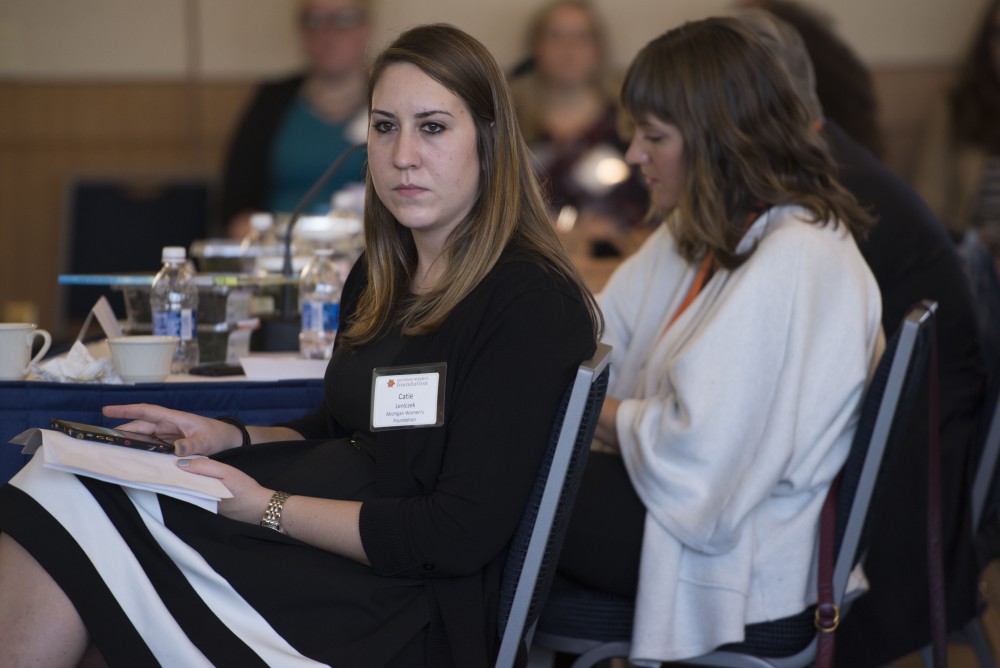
(272, 514)
(229, 419)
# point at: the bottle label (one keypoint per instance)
(182, 324)
(320, 316)
(189, 324)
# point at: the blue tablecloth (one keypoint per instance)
(25, 404)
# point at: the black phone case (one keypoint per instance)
(121, 438)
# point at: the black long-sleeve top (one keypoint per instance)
(450, 497)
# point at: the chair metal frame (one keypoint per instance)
(987, 469)
(973, 634)
(902, 377)
(541, 543)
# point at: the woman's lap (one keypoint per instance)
(315, 600)
(604, 538)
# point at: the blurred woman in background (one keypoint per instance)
(567, 108)
(294, 127)
(386, 542)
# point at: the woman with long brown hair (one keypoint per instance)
(743, 331)
(374, 531)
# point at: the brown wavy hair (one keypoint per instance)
(748, 137)
(509, 209)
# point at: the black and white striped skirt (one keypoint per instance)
(160, 581)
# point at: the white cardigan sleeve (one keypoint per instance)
(643, 288)
(753, 385)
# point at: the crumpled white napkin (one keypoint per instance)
(78, 366)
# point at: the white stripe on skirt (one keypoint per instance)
(72, 505)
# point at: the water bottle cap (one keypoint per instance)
(261, 221)
(174, 254)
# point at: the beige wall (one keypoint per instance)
(156, 85)
(247, 38)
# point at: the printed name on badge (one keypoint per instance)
(408, 396)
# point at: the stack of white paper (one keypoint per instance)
(130, 467)
(282, 366)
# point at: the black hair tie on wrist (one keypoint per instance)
(229, 419)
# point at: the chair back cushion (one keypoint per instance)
(914, 381)
(517, 550)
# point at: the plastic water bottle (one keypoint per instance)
(319, 303)
(173, 301)
(260, 241)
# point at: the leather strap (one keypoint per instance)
(935, 559)
(827, 612)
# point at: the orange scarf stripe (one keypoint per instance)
(699, 281)
(705, 270)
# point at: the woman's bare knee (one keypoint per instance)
(39, 626)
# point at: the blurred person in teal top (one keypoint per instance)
(293, 128)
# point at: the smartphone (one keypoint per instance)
(129, 439)
(216, 369)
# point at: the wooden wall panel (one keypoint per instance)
(906, 95)
(53, 132)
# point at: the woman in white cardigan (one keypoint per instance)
(743, 332)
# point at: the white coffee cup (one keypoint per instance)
(16, 341)
(143, 359)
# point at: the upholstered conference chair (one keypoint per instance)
(598, 626)
(534, 549)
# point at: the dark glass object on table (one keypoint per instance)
(216, 369)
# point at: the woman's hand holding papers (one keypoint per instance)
(196, 435)
(249, 497)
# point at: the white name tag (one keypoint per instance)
(408, 396)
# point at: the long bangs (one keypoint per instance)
(675, 80)
(647, 88)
